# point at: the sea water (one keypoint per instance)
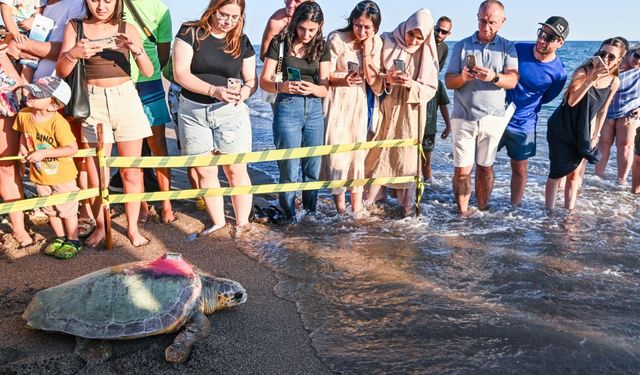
(508, 290)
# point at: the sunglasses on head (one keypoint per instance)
(441, 31)
(606, 55)
(546, 36)
(368, 6)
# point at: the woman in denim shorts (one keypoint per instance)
(298, 119)
(212, 115)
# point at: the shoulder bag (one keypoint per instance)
(270, 97)
(78, 106)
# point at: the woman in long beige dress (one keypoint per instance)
(403, 110)
(345, 107)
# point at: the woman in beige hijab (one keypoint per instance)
(403, 111)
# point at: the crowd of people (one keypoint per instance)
(356, 84)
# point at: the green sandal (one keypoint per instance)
(67, 251)
(56, 245)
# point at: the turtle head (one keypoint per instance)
(219, 293)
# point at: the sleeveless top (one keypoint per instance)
(569, 133)
(110, 62)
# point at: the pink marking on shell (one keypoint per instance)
(171, 267)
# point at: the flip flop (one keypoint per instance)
(86, 227)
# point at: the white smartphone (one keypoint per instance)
(234, 84)
(105, 43)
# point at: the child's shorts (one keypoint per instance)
(62, 210)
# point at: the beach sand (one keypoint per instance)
(265, 335)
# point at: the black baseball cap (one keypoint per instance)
(558, 25)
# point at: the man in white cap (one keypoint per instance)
(47, 144)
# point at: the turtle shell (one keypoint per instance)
(120, 302)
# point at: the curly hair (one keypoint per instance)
(307, 11)
(203, 26)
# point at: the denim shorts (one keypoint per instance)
(520, 146)
(217, 127)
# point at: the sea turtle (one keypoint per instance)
(134, 300)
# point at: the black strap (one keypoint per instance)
(139, 21)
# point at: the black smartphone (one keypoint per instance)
(399, 65)
(470, 62)
(293, 74)
(353, 67)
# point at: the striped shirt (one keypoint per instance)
(627, 98)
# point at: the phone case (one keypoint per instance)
(353, 67)
(399, 65)
(293, 74)
(234, 84)
(105, 43)
(470, 61)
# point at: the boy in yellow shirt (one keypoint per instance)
(47, 144)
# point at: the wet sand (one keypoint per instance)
(265, 335)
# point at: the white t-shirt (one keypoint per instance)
(60, 12)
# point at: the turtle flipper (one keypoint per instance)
(93, 352)
(195, 330)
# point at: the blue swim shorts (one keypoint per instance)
(153, 100)
(520, 146)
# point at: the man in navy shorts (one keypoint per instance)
(542, 77)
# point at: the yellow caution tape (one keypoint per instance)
(257, 189)
(80, 154)
(51, 200)
(250, 157)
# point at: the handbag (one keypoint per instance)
(270, 97)
(140, 22)
(167, 70)
(78, 106)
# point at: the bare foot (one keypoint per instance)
(22, 238)
(95, 238)
(212, 229)
(168, 215)
(138, 240)
(144, 213)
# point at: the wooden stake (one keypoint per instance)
(103, 172)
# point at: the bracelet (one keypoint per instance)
(211, 91)
(136, 55)
(66, 55)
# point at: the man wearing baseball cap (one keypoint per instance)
(542, 77)
(47, 144)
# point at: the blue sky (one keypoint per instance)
(589, 19)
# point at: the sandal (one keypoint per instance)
(276, 216)
(259, 215)
(68, 250)
(86, 227)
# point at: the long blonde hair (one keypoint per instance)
(203, 26)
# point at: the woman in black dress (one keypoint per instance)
(574, 127)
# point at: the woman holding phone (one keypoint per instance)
(10, 178)
(108, 46)
(297, 113)
(215, 64)
(355, 64)
(571, 136)
(410, 60)
(622, 118)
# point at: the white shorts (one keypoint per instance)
(477, 141)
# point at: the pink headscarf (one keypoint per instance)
(425, 63)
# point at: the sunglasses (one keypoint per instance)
(442, 31)
(606, 55)
(546, 36)
(368, 6)
(636, 55)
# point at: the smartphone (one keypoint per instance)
(5, 37)
(105, 43)
(293, 74)
(353, 67)
(234, 84)
(597, 61)
(399, 65)
(470, 62)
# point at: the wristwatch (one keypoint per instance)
(496, 78)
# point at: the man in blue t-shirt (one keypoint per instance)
(542, 77)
